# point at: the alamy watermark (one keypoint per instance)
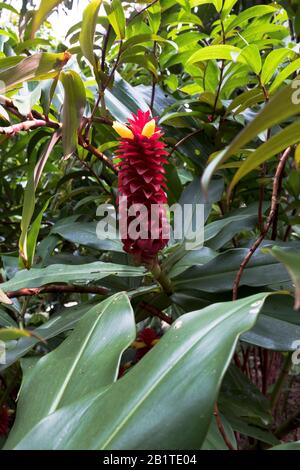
(296, 353)
(138, 221)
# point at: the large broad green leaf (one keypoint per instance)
(45, 7)
(36, 67)
(176, 383)
(282, 106)
(291, 260)
(219, 232)
(64, 273)
(221, 51)
(287, 446)
(86, 361)
(85, 233)
(73, 108)
(87, 33)
(278, 325)
(218, 274)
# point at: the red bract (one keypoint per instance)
(142, 182)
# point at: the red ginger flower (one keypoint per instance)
(142, 182)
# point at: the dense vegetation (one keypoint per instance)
(200, 351)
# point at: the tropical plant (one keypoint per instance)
(134, 344)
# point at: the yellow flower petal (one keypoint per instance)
(149, 128)
(122, 130)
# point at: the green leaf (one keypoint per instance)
(244, 16)
(279, 108)
(291, 260)
(183, 371)
(85, 233)
(73, 108)
(88, 361)
(288, 446)
(36, 67)
(27, 213)
(45, 8)
(6, 320)
(34, 233)
(252, 57)
(285, 73)
(273, 60)
(65, 273)
(218, 274)
(88, 28)
(281, 141)
(8, 334)
(214, 439)
(66, 320)
(154, 17)
(221, 51)
(9, 7)
(116, 17)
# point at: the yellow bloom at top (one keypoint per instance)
(122, 130)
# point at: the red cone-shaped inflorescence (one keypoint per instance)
(142, 182)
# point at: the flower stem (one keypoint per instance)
(162, 279)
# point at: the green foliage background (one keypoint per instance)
(221, 76)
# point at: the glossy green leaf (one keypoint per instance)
(116, 17)
(73, 108)
(273, 60)
(291, 260)
(6, 320)
(283, 74)
(287, 446)
(223, 51)
(88, 361)
(187, 365)
(218, 274)
(44, 9)
(36, 277)
(88, 28)
(282, 106)
(36, 67)
(64, 321)
(278, 142)
(8, 334)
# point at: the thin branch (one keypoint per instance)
(25, 126)
(184, 139)
(155, 312)
(141, 11)
(275, 193)
(114, 67)
(88, 146)
(221, 428)
(58, 289)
